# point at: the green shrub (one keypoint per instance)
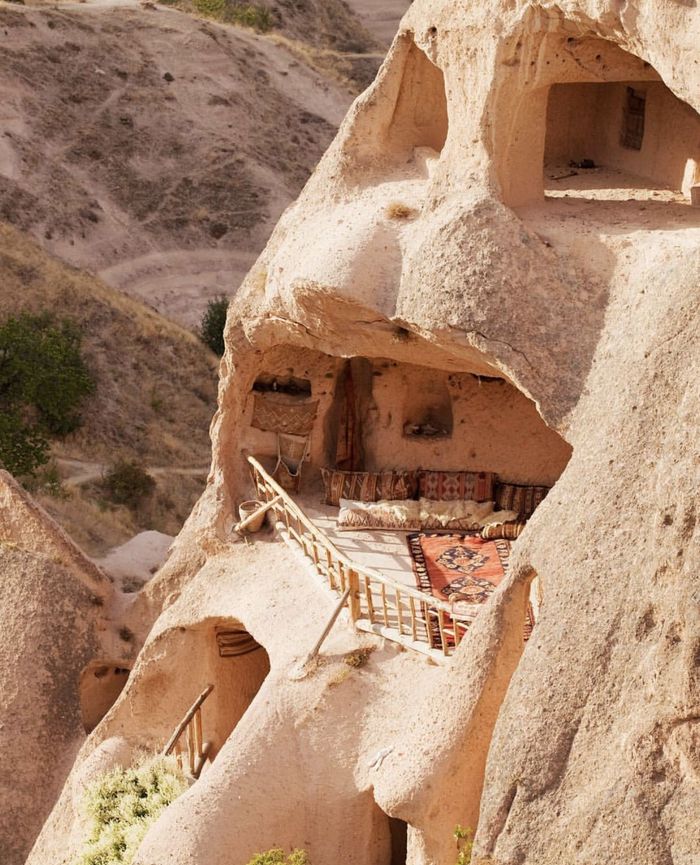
(250, 15)
(211, 8)
(127, 483)
(23, 447)
(211, 329)
(276, 856)
(47, 479)
(43, 383)
(123, 804)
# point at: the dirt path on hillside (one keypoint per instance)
(153, 148)
(380, 17)
(80, 472)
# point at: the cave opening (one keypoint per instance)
(101, 683)
(591, 120)
(616, 135)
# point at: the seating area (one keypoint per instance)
(404, 484)
(419, 588)
(434, 500)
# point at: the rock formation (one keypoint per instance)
(448, 260)
(55, 626)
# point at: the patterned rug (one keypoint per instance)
(460, 568)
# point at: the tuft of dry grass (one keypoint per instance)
(359, 657)
(397, 210)
(351, 661)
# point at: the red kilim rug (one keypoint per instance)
(461, 567)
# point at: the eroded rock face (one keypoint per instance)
(54, 603)
(425, 239)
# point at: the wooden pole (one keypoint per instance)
(326, 631)
(175, 738)
(354, 589)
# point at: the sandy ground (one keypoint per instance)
(614, 209)
(604, 184)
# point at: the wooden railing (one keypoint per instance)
(187, 738)
(375, 603)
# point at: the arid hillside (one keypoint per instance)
(157, 149)
(154, 147)
(380, 17)
(154, 398)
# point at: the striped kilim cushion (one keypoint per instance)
(368, 486)
(519, 497)
(441, 486)
(507, 531)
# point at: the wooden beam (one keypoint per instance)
(173, 740)
(326, 631)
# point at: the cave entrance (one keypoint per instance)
(225, 668)
(388, 415)
(237, 666)
(420, 118)
(400, 452)
(100, 684)
(377, 414)
(590, 120)
(631, 139)
(398, 830)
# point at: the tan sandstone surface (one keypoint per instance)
(56, 619)
(444, 263)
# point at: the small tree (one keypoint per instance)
(127, 483)
(43, 383)
(211, 328)
(23, 448)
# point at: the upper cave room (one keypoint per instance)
(590, 120)
(616, 135)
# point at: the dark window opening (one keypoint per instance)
(280, 384)
(100, 685)
(633, 120)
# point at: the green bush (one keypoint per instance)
(276, 856)
(43, 383)
(211, 8)
(23, 447)
(122, 805)
(47, 479)
(211, 329)
(127, 483)
(252, 15)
